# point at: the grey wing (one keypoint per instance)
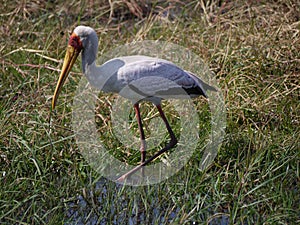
(156, 76)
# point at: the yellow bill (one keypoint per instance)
(70, 58)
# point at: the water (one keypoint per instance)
(112, 204)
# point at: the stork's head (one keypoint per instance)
(81, 39)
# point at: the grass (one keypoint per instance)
(252, 46)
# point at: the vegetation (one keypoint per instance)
(253, 48)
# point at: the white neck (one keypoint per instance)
(104, 77)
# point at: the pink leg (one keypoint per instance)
(170, 145)
(142, 134)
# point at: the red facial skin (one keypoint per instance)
(75, 42)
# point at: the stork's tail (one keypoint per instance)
(204, 86)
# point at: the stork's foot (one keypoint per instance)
(171, 144)
(121, 179)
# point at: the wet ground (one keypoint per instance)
(109, 207)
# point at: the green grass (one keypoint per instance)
(252, 46)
